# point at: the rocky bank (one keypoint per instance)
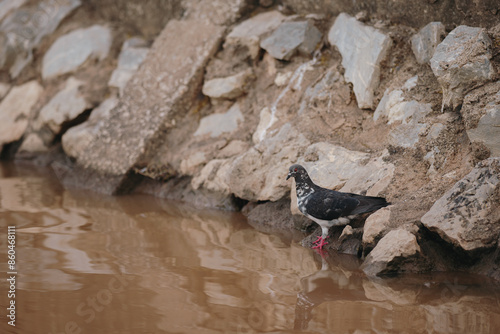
(210, 102)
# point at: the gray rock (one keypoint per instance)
(290, 37)
(131, 57)
(481, 114)
(249, 32)
(321, 91)
(76, 139)
(70, 51)
(251, 179)
(162, 88)
(424, 42)
(25, 27)
(410, 113)
(362, 49)
(461, 61)
(8, 5)
(464, 215)
(15, 110)
(229, 87)
(392, 250)
(66, 105)
(217, 124)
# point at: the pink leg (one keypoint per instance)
(320, 243)
(318, 239)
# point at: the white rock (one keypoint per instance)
(15, 109)
(251, 178)
(70, 51)
(131, 57)
(76, 139)
(229, 87)
(372, 178)
(282, 79)
(424, 42)
(248, 32)
(362, 49)
(188, 165)
(217, 124)
(463, 216)
(394, 246)
(389, 106)
(4, 89)
(214, 176)
(376, 225)
(410, 113)
(64, 106)
(460, 61)
(264, 121)
(410, 83)
(33, 144)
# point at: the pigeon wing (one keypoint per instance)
(367, 203)
(327, 204)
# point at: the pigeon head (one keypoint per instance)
(298, 172)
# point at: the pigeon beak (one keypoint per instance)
(288, 176)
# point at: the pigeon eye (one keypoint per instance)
(295, 170)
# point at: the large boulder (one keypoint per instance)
(461, 61)
(162, 87)
(15, 111)
(362, 48)
(466, 216)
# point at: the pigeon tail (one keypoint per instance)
(368, 204)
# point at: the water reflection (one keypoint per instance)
(136, 264)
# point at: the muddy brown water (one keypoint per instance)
(87, 263)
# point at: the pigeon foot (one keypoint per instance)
(320, 242)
